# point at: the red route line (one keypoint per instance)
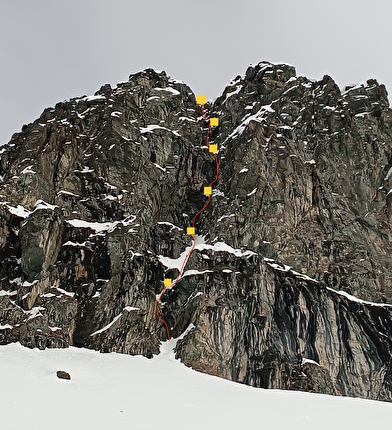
(181, 271)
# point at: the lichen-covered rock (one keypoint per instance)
(40, 237)
(96, 195)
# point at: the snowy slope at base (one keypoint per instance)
(109, 391)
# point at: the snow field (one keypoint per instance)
(109, 391)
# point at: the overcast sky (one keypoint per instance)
(52, 50)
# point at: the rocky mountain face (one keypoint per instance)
(289, 283)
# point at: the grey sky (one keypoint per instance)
(52, 50)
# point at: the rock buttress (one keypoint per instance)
(96, 195)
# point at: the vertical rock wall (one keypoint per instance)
(96, 195)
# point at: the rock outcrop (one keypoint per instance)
(96, 195)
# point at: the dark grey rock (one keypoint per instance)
(61, 374)
(304, 196)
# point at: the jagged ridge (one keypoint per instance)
(96, 194)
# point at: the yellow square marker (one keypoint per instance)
(167, 282)
(214, 122)
(213, 147)
(201, 99)
(190, 230)
(207, 191)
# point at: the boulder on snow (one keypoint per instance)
(61, 374)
